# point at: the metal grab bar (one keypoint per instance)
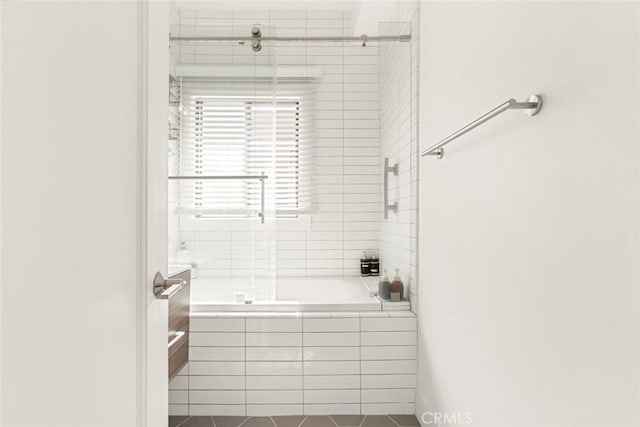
(260, 177)
(394, 170)
(531, 106)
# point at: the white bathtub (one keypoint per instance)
(292, 294)
(325, 345)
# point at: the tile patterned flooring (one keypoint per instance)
(298, 421)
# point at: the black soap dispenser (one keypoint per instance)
(374, 264)
(364, 265)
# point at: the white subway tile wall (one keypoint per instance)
(354, 363)
(347, 214)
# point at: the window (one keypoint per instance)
(228, 131)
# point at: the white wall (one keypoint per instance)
(69, 210)
(1, 240)
(529, 226)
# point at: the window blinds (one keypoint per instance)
(235, 127)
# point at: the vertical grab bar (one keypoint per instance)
(261, 213)
(389, 169)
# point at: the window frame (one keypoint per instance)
(252, 106)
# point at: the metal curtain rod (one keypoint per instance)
(363, 39)
(531, 107)
(199, 177)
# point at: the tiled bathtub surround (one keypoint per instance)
(289, 364)
(347, 213)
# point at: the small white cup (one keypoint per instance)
(240, 297)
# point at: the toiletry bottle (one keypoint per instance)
(374, 264)
(384, 287)
(397, 288)
(364, 265)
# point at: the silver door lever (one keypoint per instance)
(164, 288)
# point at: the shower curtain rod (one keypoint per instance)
(363, 38)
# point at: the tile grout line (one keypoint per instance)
(393, 421)
(304, 418)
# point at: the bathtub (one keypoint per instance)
(325, 345)
(293, 294)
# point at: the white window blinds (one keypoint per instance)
(246, 128)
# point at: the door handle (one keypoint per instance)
(164, 288)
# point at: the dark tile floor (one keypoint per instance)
(298, 421)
